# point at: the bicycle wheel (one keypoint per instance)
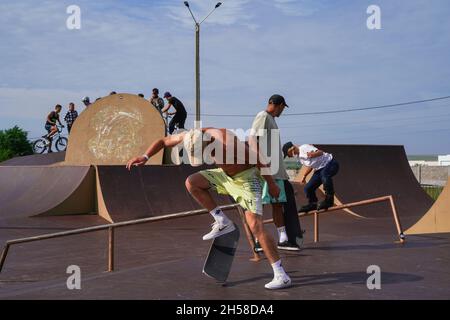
(61, 143)
(40, 146)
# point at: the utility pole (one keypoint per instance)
(197, 59)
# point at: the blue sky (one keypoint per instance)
(319, 54)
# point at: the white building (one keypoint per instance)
(444, 160)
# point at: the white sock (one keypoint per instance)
(219, 216)
(282, 234)
(278, 268)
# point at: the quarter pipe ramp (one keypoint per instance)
(31, 191)
(437, 219)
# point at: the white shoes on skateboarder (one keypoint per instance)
(279, 281)
(219, 230)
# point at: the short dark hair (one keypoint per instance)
(112, 92)
(58, 106)
(72, 104)
(155, 90)
(286, 148)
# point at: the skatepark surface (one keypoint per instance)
(164, 261)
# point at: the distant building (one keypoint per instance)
(444, 160)
(425, 160)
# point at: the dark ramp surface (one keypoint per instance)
(145, 191)
(164, 260)
(36, 159)
(370, 171)
(30, 191)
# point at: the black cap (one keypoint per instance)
(277, 99)
(286, 148)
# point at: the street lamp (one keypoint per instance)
(197, 58)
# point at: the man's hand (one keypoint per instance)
(274, 190)
(137, 161)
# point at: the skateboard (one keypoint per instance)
(221, 255)
(291, 220)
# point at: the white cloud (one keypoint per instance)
(299, 7)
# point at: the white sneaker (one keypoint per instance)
(280, 281)
(218, 230)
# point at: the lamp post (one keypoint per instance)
(197, 59)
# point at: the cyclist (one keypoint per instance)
(180, 114)
(50, 124)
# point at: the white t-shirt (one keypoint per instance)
(315, 163)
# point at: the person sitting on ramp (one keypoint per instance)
(325, 168)
(235, 176)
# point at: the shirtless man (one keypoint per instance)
(239, 179)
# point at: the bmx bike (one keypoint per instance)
(44, 144)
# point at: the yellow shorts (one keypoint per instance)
(245, 187)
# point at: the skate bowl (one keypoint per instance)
(114, 129)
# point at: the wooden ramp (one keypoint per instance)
(437, 219)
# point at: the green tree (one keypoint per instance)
(14, 142)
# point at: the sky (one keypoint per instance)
(319, 54)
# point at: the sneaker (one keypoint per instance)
(218, 230)
(286, 245)
(308, 207)
(327, 203)
(280, 281)
(258, 248)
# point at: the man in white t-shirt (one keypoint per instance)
(325, 168)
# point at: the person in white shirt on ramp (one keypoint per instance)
(325, 168)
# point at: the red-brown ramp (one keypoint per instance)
(45, 190)
(144, 191)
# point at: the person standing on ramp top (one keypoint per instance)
(239, 179)
(156, 100)
(325, 168)
(265, 126)
(180, 114)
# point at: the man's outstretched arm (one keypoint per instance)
(155, 147)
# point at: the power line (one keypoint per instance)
(336, 111)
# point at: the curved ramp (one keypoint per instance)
(113, 130)
(370, 171)
(144, 191)
(36, 160)
(31, 191)
(437, 219)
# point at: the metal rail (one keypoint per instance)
(351, 205)
(111, 228)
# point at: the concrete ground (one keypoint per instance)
(164, 260)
